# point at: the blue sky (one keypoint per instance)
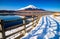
(50, 5)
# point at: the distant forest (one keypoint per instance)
(7, 11)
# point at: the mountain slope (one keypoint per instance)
(30, 7)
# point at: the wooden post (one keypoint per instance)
(2, 29)
(32, 21)
(0, 26)
(38, 17)
(36, 21)
(24, 24)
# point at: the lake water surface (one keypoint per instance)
(8, 18)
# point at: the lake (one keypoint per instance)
(13, 17)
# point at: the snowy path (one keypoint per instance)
(48, 28)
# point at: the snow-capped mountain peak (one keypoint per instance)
(30, 6)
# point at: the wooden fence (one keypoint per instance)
(17, 31)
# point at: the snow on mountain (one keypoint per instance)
(31, 7)
(28, 7)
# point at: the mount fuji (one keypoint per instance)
(30, 7)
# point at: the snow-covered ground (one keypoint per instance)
(16, 30)
(48, 28)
